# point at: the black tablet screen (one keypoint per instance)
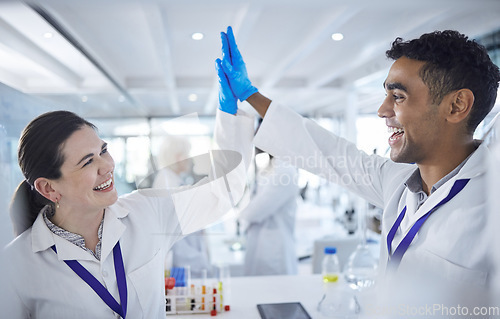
(290, 310)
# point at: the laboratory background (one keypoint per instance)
(143, 71)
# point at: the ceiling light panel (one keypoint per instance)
(26, 22)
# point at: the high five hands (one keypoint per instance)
(232, 72)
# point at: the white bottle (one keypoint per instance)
(330, 265)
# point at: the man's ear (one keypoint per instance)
(44, 187)
(460, 102)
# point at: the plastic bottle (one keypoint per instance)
(331, 302)
(330, 265)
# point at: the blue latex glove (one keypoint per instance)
(234, 67)
(227, 100)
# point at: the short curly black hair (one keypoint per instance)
(453, 62)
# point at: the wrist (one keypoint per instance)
(243, 96)
(259, 102)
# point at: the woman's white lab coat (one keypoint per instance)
(38, 284)
(192, 250)
(270, 214)
(451, 245)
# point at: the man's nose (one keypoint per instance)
(386, 109)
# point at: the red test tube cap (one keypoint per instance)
(213, 313)
(169, 283)
(227, 308)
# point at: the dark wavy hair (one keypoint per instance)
(453, 62)
(40, 155)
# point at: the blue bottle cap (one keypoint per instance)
(330, 250)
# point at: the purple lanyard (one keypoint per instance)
(395, 259)
(99, 288)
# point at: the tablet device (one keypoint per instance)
(289, 310)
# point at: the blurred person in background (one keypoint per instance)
(270, 215)
(174, 170)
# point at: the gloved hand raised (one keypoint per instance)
(227, 100)
(235, 68)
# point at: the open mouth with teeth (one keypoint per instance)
(105, 186)
(397, 133)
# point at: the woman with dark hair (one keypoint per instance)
(38, 159)
(83, 252)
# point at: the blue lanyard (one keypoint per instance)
(395, 259)
(99, 288)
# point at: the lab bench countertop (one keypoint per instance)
(247, 292)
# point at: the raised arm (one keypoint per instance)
(285, 133)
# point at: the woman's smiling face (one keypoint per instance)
(87, 181)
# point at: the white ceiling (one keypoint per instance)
(136, 58)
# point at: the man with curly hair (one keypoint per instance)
(432, 189)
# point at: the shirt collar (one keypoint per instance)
(414, 182)
(42, 238)
(73, 238)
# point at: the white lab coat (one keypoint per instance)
(270, 214)
(36, 283)
(451, 245)
(191, 250)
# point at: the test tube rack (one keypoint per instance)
(180, 302)
(186, 298)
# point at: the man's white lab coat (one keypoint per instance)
(36, 283)
(451, 245)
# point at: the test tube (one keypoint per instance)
(192, 297)
(214, 308)
(203, 287)
(188, 276)
(224, 287)
(221, 297)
